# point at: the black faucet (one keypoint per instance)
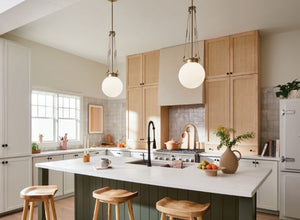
(148, 142)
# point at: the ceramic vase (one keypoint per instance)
(294, 94)
(229, 161)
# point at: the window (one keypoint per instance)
(53, 115)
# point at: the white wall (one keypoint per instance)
(54, 69)
(280, 58)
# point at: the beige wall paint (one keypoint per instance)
(53, 69)
(280, 58)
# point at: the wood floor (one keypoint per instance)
(65, 211)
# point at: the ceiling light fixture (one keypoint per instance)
(112, 86)
(191, 74)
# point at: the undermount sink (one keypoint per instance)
(155, 163)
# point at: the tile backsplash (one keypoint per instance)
(181, 115)
(114, 119)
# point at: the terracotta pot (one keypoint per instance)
(229, 161)
(173, 145)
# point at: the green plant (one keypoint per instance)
(285, 89)
(41, 135)
(34, 146)
(224, 135)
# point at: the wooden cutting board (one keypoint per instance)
(188, 137)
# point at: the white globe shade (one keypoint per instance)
(191, 75)
(112, 86)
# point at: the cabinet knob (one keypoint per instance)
(97, 153)
(142, 84)
(227, 73)
(253, 162)
(3, 162)
(3, 145)
(6, 162)
(230, 73)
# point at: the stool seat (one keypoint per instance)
(38, 192)
(181, 208)
(34, 194)
(114, 196)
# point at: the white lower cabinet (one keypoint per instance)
(118, 153)
(55, 177)
(267, 194)
(139, 154)
(69, 177)
(15, 175)
(97, 153)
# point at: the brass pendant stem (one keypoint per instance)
(192, 30)
(112, 37)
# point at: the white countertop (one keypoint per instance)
(244, 182)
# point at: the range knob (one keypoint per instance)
(160, 158)
(179, 158)
(192, 160)
(173, 158)
(167, 158)
(155, 158)
(187, 160)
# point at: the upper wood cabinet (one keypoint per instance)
(143, 69)
(142, 101)
(232, 89)
(235, 54)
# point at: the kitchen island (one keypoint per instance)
(232, 196)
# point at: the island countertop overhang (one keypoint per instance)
(244, 183)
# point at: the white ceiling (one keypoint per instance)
(144, 25)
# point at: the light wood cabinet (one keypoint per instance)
(142, 101)
(15, 175)
(15, 93)
(143, 69)
(232, 55)
(232, 89)
(233, 101)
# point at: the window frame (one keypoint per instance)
(53, 144)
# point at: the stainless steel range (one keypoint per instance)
(182, 154)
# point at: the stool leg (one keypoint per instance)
(199, 218)
(96, 210)
(171, 218)
(130, 212)
(31, 210)
(25, 210)
(163, 216)
(108, 211)
(47, 209)
(53, 208)
(117, 212)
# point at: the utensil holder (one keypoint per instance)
(86, 158)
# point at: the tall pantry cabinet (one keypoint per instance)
(232, 88)
(15, 151)
(142, 100)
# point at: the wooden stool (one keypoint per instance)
(181, 209)
(115, 197)
(34, 194)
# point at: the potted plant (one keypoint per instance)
(228, 160)
(289, 90)
(35, 148)
(41, 138)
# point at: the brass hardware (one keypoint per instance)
(112, 74)
(191, 60)
(112, 0)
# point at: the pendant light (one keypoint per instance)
(191, 74)
(112, 86)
